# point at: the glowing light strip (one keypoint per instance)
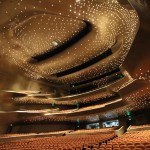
(20, 92)
(41, 94)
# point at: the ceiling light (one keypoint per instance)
(77, 1)
(54, 43)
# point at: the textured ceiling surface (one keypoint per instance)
(75, 57)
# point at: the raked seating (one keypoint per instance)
(69, 142)
(138, 140)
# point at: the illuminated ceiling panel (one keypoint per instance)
(59, 42)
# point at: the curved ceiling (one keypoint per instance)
(75, 52)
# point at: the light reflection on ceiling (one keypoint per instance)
(45, 44)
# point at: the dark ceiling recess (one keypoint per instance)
(64, 46)
(96, 78)
(87, 64)
(90, 86)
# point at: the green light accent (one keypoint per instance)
(77, 104)
(128, 113)
(120, 75)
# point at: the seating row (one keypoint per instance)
(138, 140)
(69, 142)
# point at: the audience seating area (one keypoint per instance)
(138, 128)
(138, 140)
(101, 130)
(94, 139)
(69, 142)
(34, 134)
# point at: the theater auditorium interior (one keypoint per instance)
(74, 75)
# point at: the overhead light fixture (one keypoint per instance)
(77, 1)
(54, 43)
